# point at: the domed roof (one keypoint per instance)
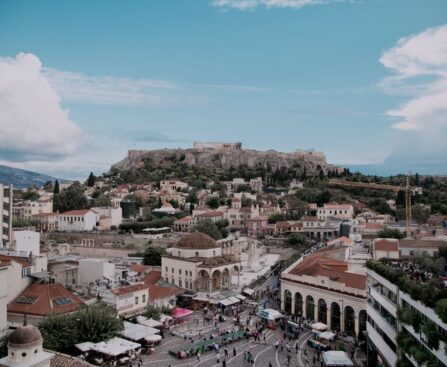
(25, 336)
(196, 240)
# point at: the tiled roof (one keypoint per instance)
(210, 214)
(308, 218)
(373, 226)
(196, 240)
(24, 261)
(184, 219)
(43, 299)
(63, 360)
(407, 242)
(333, 269)
(45, 214)
(76, 212)
(140, 268)
(156, 291)
(128, 289)
(338, 206)
(384, 244)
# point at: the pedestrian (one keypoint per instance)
(245, 356)
(198, 355)
(218, 357)
(234, 351)
(270, 364)
(224, 363)
(226, 352)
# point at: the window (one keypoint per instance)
(62, 301)
(166, 269)
(172, 270)
(180, 271)
(25, 300)
(143, 298)
(136, 300)
(180, 283)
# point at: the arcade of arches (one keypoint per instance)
(210, 280)
(328, 311)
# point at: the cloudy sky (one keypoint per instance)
(365, 81)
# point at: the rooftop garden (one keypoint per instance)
(422, 279)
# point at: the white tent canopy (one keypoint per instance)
(270, 314)
(241, 297)
(327, 335)
(337, 358)
(137, 331)
(319, 326)
(115, 347)
(165, 318)
(151, 323)
(85, 347)
(248, 291)
(153, 338)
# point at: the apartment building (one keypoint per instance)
(6, 217)
(27, 209)
(402, 330)
(333, 210)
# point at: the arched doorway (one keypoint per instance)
(287, 301)
(310, 308)
(362, 324)
(335, 316)
(226, 279)
(322, 311)
(216, 280)
(298, 304)
(349, 317)
(203, 281)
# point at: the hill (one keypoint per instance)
(22, 179)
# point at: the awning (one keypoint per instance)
(327, 335)
(226, 302)
(85, 347)
(181, 312)
(241, 297)
(336, 358)
(248, 291)
(234, 299)
(136, 331)
(165, 318)
(270, 314)
(115, 347)
(319, 326)
(153, 338)
(151, 323)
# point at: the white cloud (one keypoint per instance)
(79, 87)
(253, 4)
(32, 122)
(419, 66)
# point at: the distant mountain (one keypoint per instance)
(23, 179)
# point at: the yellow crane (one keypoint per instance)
(375, 186)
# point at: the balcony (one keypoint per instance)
(385, 351)
(382, 322)
(384, 301)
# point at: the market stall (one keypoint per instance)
(116, 349)
(319, 326)
(336, 358)
(178, 313)
(270, 317)
(151, 323)
(137, 332)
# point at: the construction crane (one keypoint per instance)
(407, 189)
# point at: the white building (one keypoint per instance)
(28, 208)
(77, 220)
(92, 270)
(320, 288)
(341, 211)
(6, 215)
(197, 262)
(27, 242)
(3, 296)
(113, 216)
(128, 301)
(173, 185)
(386, 247)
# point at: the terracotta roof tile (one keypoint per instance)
(128, 289)
(43, 299)
(384, 244)
(24, 261)
(76, 212)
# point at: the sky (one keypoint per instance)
(364, 81)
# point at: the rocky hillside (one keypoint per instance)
(224, 159)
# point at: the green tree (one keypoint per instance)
(296, 239)
(56, 187)
(208, 227)
(153, 312)
(278, 217)
(48, 186)
(390, 233)
(30, 195)
(91, 180)
(420, 213)
(71, 198)
(192, 197)
(152, 255)
(213, 202)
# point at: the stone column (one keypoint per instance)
(304, 306)
(329, 317)
(356, 324)
(292, 310)
(316, 311)
(210, 281)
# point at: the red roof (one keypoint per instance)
(210, 214)
(184, 219)
(129, 289)
(44, 299)
(308, 218)
(156, 291)
(386, 245)
(77, 212)
(140, 268)
(24, 261)
(373, 226)
(333, 269)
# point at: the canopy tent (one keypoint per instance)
(327, 335)
(248, 291)
(141, 318)
(270, 314)
(137, 331)
(151, 323)
(153, 338)
(241, 297)
(165, 318)
(337, 358)
(319, 326)
(181, 312)
(115, 347)
(85, 347)
(234, 299)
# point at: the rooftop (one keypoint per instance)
(196, 240)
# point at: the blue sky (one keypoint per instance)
(99, 77)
